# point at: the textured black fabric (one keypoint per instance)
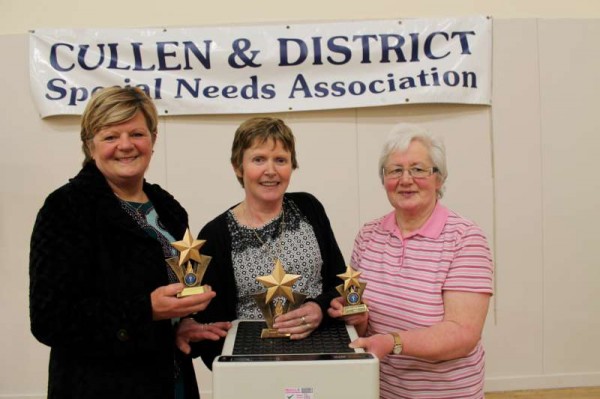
(92, 269)
(219, 274)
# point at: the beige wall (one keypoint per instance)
(524, 169)
(19, 16)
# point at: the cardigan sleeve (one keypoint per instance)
(74, 304)
(92, 271)
(219, 275)
(333, 260)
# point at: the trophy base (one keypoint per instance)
(354, 309)
(273, 333)
(187, 291)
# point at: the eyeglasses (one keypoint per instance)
(416, 172)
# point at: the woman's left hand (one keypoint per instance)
(189, 330)
(300, 322)
(380, 344)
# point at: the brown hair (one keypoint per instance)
(258, 131)
(112, 106)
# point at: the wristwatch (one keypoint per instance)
(397, 343)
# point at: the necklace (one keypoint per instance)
(130, 204)
(279, 244)
(135, 208)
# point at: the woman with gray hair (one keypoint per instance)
(429, 279)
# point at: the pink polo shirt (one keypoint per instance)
(405, 279)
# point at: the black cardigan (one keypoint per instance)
(92, 269)
(220, 276)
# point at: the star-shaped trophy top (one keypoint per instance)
(279, 283)
(189, 248)
(350, 278)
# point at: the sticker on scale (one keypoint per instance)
(299, 393)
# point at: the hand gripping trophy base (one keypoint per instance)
(275, 308)
(187, 291)
(354, 309)
(272, 333)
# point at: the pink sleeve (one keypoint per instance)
(472, 267)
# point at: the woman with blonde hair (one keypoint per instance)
(101, 294)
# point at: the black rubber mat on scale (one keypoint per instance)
(332, 338)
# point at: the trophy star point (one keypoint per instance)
(279, 283)
(189, 248)
(350, 277)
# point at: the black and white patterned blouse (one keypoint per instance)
(298, 250)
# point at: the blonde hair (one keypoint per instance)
(112, 106)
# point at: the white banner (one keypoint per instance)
(268, 68)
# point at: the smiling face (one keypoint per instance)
(265, 171)
(122, 152)
(412, 198)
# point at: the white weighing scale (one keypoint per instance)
(321, 366)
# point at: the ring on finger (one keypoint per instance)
(303, 320)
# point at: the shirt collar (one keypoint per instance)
(431, 229)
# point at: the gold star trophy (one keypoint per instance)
(278, 298)
(190, 265)
(352, 291)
